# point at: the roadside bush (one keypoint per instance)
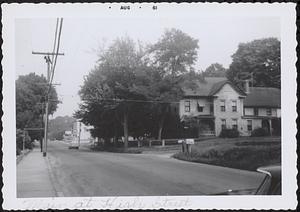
(258, 132)
(18, 151)
(211, 154)
(229, 133)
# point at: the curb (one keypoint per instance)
(55, 185)
(20, 157)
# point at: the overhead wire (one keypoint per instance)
(56, 54)
(55, 38)
(131, 100)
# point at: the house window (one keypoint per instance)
(187, 106)
(223, 105)
(234, 124)
(256, 111)
(223, 123)
(200, 107)
(234, 105)
(269, 112)
(249, 125)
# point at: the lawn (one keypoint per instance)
(247, 153)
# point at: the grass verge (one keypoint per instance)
(243, 153)
(117, 150)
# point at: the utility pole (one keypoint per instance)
(48, 61)
(79, 133)
(24, 139)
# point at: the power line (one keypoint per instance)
(56, 54)
(114, 99)
(130, 100)
(56, 27)
(50, 71)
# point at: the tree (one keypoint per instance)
(175, 53)
(59, 125)
(31, 91)
(259, 59)
(173, 56)
(215, 70)
(110, 91)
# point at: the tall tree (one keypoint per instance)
(31, 93)
(175, 53)
(215, 70)
(173, 56)
(258, 60)
(110, 89)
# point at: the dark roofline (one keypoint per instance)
(232, 85)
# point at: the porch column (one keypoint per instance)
(215, 126)
(271, 129)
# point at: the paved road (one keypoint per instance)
(85, 173)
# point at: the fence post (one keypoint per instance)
(189, 148)
(184, 149)
(150, 143)
(163, 142)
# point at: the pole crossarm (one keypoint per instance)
(27, 129)
(47, 53)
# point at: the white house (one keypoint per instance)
(81, 132)
(216, 104)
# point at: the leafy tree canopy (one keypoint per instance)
(31, 91)
(110, 90)
(259, 58)
(175, 53)
(215, 70)
(131, 89)
(59, 125)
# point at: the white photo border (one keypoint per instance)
(287, 14)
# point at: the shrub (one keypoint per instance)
(229, 133)
(258, 132)
(18, 151)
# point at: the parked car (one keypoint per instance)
(74, 145)
(271, 184)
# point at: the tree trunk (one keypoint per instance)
(125, 126)
(161, 125)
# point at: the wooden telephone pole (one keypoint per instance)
(49, 62)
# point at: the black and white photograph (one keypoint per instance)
(149, 106)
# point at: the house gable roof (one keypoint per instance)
(263, 97)
(209, 87)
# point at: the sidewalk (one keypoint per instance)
(33, 177)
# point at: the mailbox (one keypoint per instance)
(180, 141)
(190, 141)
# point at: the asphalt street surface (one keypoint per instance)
(87, 173)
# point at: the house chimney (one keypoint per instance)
(247, 89)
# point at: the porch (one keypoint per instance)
(199, 126)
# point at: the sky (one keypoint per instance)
(82, 37)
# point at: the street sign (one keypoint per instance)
(190, 141)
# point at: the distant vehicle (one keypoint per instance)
(68, 137)
(74, 145)
(271, 184)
